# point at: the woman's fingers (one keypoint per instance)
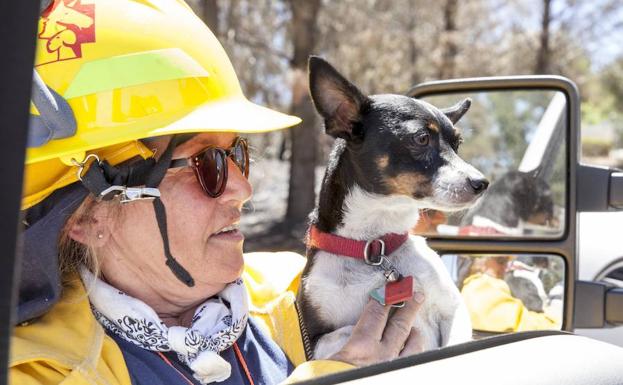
(372, 322)
(413, 345)
(399, 325)
(378, 337)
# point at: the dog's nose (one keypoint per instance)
(479, 185)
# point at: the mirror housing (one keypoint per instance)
(599, 189)
(597, 305)
(589, 189)
(566, 244)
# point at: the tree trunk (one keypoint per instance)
(210, 15)
(301, 194)
(413, 49)
(543, 54)
(447, 69)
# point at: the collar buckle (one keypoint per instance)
(375, 256)
(378, 255)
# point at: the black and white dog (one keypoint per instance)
(516, 198)
(393, 156)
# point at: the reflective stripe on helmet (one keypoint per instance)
(132, 70)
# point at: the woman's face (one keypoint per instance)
(135, 250)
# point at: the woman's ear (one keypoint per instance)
(91, 229)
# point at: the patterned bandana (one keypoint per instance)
(216, 325)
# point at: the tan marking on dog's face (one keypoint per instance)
(410, 184)
(457, 131)
(433, 127)
(382, 162)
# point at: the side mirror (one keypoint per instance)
(530, 125)
(520, 238)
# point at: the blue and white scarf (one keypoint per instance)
(215, 326)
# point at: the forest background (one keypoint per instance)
(388, 46)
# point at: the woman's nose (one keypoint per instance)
(238, 187)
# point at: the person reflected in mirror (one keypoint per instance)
(428, 222)
(514, 202)
(505, 295)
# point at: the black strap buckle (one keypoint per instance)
(131, 194)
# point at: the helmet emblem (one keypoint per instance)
(65, 26)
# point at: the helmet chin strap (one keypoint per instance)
(106, 181)
(153, 180)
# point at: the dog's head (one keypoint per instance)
(514, 197)
(397, 145)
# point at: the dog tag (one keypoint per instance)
(398, 291)
(378, 294)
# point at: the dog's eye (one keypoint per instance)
(422, 140)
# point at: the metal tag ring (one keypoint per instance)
(366, 255)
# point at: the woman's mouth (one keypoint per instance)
(231, 232)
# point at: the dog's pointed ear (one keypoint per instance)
(457, 111)
(338, 101)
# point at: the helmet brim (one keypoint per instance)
(225, 115)
(229, 115)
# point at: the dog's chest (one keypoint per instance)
(338, 287)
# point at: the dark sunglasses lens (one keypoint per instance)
(241, 157)
(212, 170)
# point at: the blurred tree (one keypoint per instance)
(612, 80)
(304, 137)
(210, 15)
(447, 69)
(387, 46)
(543, 52)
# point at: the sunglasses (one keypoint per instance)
(210, 165)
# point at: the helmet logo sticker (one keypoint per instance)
(65, 26)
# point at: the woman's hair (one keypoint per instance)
(73, 254)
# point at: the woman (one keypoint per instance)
(492, 304)
(138, 200)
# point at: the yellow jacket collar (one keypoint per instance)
(69, 346)
(69, 339)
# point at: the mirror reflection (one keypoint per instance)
(517, 139)
(510, 293)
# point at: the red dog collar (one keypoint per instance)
(369, 251)
(397, 288)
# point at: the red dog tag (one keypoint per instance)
(399, 291)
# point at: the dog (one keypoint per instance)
(513, 200)
(393, 155)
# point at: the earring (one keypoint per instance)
(100, 235)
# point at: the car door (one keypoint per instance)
(18, 41)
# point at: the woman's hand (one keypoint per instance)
(380, 337)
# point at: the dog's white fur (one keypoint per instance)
(337, 287)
